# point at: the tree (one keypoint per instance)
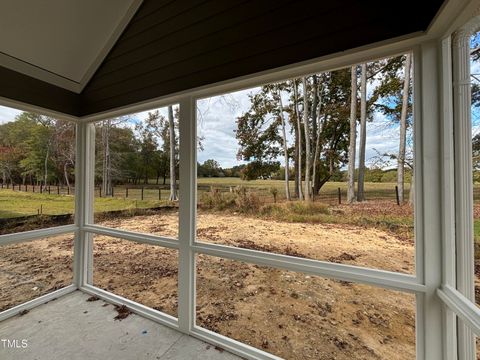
(353, 137)
(306, 126)
(403, 129)
(317, 113)
(394, 100)
(118, 157)
(363, 133)
(259, 170)
(173, 179)
(148, 146)
(298, 141)
(38, 148)
(285, 143)
(210, 168)
(63, 151)
(106, 163)
(257, 129)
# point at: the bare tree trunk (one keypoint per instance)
(173, 179)
(411, 195)
(316, 155)
(403, 131)
(45, 164)
(363, 134)
(285, 147)
(65, 174)
(299, 132)
(353, 138)
(308, 189)
(295, 162)
(107, 167)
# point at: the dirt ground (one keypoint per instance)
(288, 314)
(35, 268)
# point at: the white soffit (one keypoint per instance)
(61, 41)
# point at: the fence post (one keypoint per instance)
(159, 194)
(126, 192)
(142, 192)
(397, 195)
(58, 189)
(100, 191)
(339, 196)
(113, 187)
(48, 189)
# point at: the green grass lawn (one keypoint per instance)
(20, 203)
(17, 203)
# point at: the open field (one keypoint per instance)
(21, 203)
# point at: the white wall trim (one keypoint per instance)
(36, 302)
(136, 307)
(231, 345)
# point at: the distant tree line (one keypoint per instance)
(37, 149)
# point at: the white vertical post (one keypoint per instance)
(428, 164)
(463, 181)
(84, 177)
(187, 214)
(448, 199)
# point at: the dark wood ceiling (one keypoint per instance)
(175, 45)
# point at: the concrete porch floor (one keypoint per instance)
(73, 328)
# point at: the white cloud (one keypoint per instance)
(8, 114)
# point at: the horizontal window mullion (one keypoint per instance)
(381, 278)
(461, 306)
(9, 239)
(132, 236)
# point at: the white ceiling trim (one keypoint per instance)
(39, 73)
(53, 78)
(110, 43)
